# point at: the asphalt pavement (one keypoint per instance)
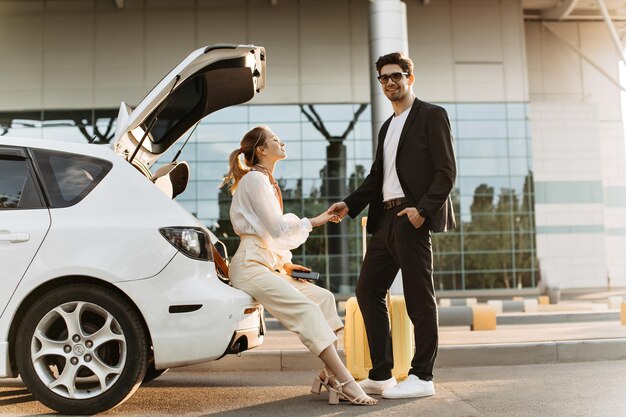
(545, 365)
(577, 389)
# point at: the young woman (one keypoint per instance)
(262, 264)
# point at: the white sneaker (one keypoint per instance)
(412, 387)
(371, 386)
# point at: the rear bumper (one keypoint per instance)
(249, 333)
(192, 316)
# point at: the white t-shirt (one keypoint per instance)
(391, 184)
(255, 210)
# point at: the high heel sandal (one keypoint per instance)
(318, 383)
(336, 393)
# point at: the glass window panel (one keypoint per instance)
(448, 262)
(362, 150)
(233, 114)
(309, 132)
(517, 129)
(483, 166)
(313, 169)
(481, 129)
(214, 152)
(212, 170)
(287, 132)
(311, 187)
(482, 148)
(516, 111)
(518, 148)
(362, 129)
(333, 113)
(481, 111)
(266, 114)
(488, 280)
(288, 169)
(221, 132)
(519, 166)
(314, 149)
(468, 185)
(448, 281)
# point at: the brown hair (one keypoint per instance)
(397, 58)
(236, 170)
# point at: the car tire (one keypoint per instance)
(82, 349)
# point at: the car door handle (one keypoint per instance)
(14, 237)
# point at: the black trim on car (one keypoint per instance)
(185, 308)
(14, 153)
(57, 192)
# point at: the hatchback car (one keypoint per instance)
(106, 280)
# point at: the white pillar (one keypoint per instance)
(388, 33)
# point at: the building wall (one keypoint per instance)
(578, 155)
(469, 55)
(68, 54)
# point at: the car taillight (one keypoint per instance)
(191, 241)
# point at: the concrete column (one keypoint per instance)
(388, 33)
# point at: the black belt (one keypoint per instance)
(394, 203)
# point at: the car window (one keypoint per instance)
(17, 187)
(69, 177)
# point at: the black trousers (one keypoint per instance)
(398, 245)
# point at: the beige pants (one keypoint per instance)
(302, 307)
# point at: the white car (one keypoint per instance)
(106, 280)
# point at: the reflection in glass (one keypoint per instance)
(494, 243)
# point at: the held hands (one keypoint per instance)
(339, 209)
(324, 218)
(334, 214)
(414, 217)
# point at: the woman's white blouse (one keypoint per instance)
(255, 210)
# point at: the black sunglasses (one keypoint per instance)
(395, 77)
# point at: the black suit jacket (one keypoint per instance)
(426, 169)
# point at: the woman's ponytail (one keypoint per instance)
(236, 170)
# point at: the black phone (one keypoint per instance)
(305, 275)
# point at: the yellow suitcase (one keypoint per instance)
(355, 344)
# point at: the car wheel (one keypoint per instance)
(82, 349)
(153, 373)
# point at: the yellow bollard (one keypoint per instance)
(623, 313)
(483, 318)
(544, 300)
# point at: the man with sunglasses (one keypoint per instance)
(408, 193)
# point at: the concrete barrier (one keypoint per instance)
(514, 306)
(478, 317)
(615, 302)
(457, 302)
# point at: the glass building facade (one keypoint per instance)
(329, 150)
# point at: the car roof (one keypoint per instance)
(100, 151)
